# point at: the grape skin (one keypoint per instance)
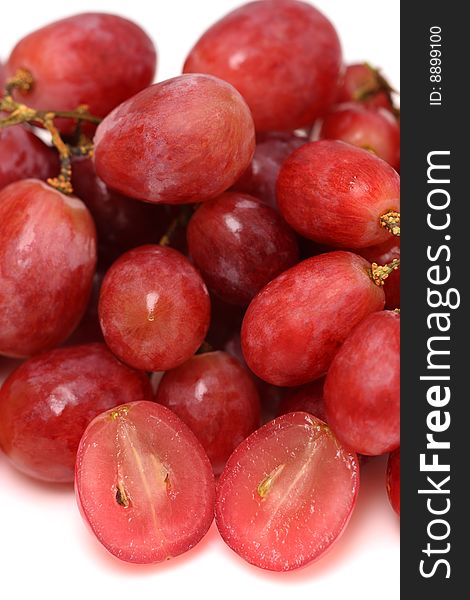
(257, 48)
(362, 388)
(93, 59)
(183, 140)
(47, 263)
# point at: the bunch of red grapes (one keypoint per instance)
(221, 249)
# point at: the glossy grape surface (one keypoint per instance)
(335, 194)
(93, 59)
(239, 244)
(286, 493)
(182, 140)
(47, 263)
(295, 325)
(154, 308)
(48, 401)
(362, 388)
(284, 57)
(216, 397)
(144, 483)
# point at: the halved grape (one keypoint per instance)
(295, 325)
(336, 194)
(362, 388)
(284, 57)
(47, 263)
(183, 140)
(48, 401)
(154, 308)
(91, 59)
(286, 493)
(144, 483)
(216, 397)
(239, 244)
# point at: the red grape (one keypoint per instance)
(23, 155)
(48, 401)
(182, 140)
(362, 388)
(295, 325)
(92, 59)
(307, 398)
(363, 83)
(375, 130)
(286, 493)
(335, 194)
(260, 177)
(239, 244)
(216, 397)
(383, 254)
(154, 308)
(47, 262)
(122, 223)
(284, 57)
(393, 480)
(144, 483)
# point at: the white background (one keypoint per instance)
(45, 549)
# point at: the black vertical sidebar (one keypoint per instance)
(435, 269)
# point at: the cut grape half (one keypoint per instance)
(144, 483)
(287, 493)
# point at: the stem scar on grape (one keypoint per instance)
(391, 221)
(379, 273)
